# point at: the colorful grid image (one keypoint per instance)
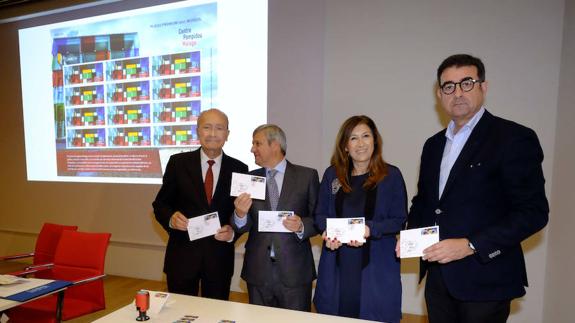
(181, 63)
(92, 48)
(57, 79)
(184, 111)
(60, 121)
(128, 137)
(82, 138)
(83, 74)
(128, 92)
(85, 117)
(58, 95)
(173, 88)
(128, 69)
(184, 135)
(84, 95)
(129, 114)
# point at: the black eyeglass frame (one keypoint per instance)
(467, 79)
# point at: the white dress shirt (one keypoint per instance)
(453, 146)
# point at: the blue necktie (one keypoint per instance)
(273, 191)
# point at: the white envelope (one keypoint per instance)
(203, 225)
(272, 221)
(346, 229)
(157, 301)
(413, 241)
(251, 184)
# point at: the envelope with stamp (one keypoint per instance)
(251, 184)
(203, 226)
(346, 229)
(272, 221)
(412, 242)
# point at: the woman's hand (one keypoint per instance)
(332, 244)
(355, 243)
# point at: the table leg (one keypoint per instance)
(59, 305)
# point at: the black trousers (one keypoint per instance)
(443, 308)
(275, 294)
(190, 285)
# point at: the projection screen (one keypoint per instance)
(109, 98)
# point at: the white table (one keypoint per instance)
(7, 304)
(212, 311)
(22, 284)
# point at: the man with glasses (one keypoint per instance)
(481, 182)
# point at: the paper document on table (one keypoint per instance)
(346, 229)
(413, 241)
(251, 184)
(21, 285)
(203, 225)
(157, 301)
(272, 221)
(9, 279)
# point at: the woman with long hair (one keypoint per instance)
(361, 279)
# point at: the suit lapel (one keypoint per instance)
(469, 150)
(220, 185)
(435, 164)
(194, 169)
(288, 184)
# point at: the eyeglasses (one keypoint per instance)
(466, 85)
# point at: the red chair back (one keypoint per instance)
(48, 240)
(80, 255)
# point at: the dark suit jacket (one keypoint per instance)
(294, 256)
(183, 190)
(494, 196)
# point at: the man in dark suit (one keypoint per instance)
(279, 267)
(196, 183)
(482, 183)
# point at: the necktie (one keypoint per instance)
(209, 182)
(274, 195)
(273, 191)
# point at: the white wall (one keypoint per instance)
(559, 284)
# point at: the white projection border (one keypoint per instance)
(137, 106)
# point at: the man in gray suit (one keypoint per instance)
(278, 267)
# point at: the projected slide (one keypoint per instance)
(126, 89)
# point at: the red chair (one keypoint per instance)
(45, 244)
(79, 258)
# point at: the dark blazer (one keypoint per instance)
(294, 256)
(183, 190)
(494, 196)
